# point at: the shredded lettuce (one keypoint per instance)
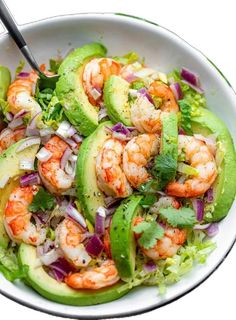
(53, 113)
(128, 58)
(196, 250)
(9, 265)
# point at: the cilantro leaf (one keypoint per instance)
(185, 121)
(164, 168)
(148, 200)
(151, 232)
(42, 201)
(183, 217)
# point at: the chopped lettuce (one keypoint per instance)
(9, 265)
(53, 113)
(196, 250)
(55, 64)
(128, 58)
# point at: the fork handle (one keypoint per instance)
(14, 32)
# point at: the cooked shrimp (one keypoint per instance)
(20, 96)
(69, 238)
(17, 217)
(96, 72)
(145, 116)
(136, 154)
(199, 156)
(54, 178)
(168, 245)
(110, 176)
(9, 137)
(94, 278)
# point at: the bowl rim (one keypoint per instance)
(178, 296)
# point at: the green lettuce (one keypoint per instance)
(9, 265)
(53, 113)
(128, 58)
(169, 271)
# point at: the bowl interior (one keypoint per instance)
(164, 51)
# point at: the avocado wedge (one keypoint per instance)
(224, 188)
(53, 290)
(69, 88)
(9, 164)
(123, 246)
(5, 81)
(115, 95)
(89, 195)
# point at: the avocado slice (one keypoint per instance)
(115, 96)
(53, 290)
(5, 80)
(123, 247)
(9, 164)
(224, 188)
(89, 194)
(69, 88)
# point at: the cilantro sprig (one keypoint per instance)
(182, 218)
(42, 201)
(164, 168)
(151, 232)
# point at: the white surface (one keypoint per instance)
(213, 37)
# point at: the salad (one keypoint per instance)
(116, 178)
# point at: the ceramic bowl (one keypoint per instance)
(162, 50)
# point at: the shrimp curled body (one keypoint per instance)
(137, 152)
(54, 178)
(20, 95)
(110, 176)
(8, 137)
(69, 238)
(17, 217)
(94, 278)
(145, 116)
(199, 156)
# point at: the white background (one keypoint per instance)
(210, 26)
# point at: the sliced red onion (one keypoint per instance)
(45, 139)
(198, 206)
(130, 77)
(171, 80)
(31, 132)
(44, 155)
(21, 114)
(71, 143)
(144, 93)
(43, 216)
(94, 246)
(15, 123)
(120, 128)
(60, 269)
(108, 221)
(201, 226)
(57, 275)
(102, 114)
(213, 229)
(48, 245)
(110, 201)
(76, 215)
(49, 257)
(190, 76)
(26, 164)
(150, 266)
(23, 75)
(209, 195)
(65, 157)
(29, 179)
(96, 94)
(63, 129)
(100, 221)
(176, 89)
(120, 136)
(70, 168)
(9, 116)
(46, 131)
(33, 122)
(77, 138)
(182, 132)
(71, 131)
(197, 89)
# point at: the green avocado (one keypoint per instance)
(9, 164)
(56, 291)
(123, 246)
(115, 96)
(224, 188)
(5, 80)
(89, 195)
(70, 92)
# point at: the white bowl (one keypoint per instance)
(162, 50)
